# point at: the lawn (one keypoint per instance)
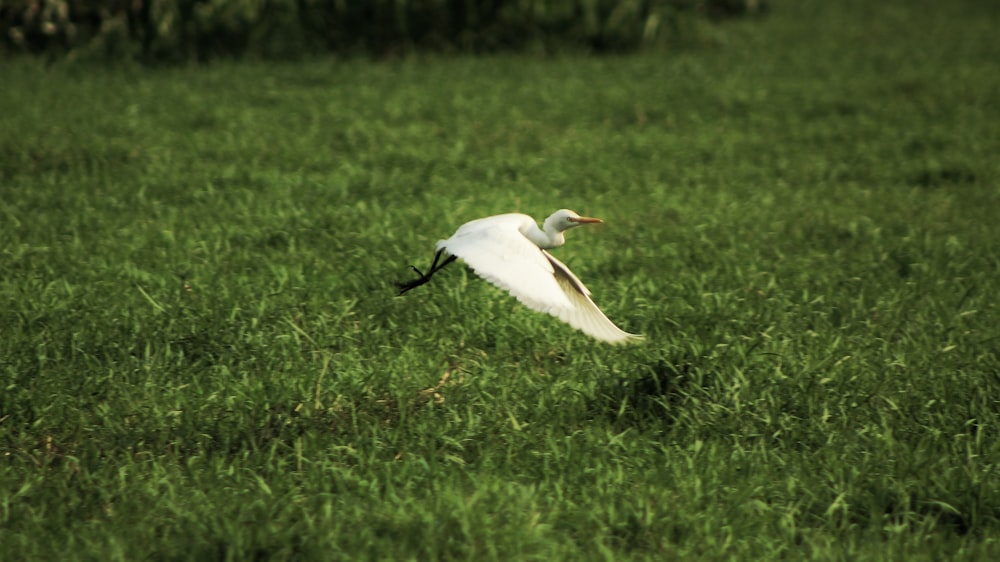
(202, 355)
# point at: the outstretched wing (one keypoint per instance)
(584, 313)
(498, 252)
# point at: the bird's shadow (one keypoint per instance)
(649, 400)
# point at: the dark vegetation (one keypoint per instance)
(180, 30)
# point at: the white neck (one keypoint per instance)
(544, 239)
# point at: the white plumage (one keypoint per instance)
(509, 251)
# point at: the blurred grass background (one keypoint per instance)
(202, 355)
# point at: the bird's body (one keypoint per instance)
(510, 251)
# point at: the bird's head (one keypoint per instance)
(564, 219)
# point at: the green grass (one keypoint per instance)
(202, 356)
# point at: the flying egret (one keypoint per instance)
(510, 252)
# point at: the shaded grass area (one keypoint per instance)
(202, 355)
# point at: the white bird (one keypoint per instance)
(510, 251)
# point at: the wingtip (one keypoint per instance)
(632, 339)
(623, 338)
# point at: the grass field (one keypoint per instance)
(202, 356)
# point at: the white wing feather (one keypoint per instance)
(497, 251)
(584, 314)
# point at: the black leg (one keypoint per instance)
(425, 277)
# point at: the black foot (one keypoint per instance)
(406, 286)
(425, 277)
